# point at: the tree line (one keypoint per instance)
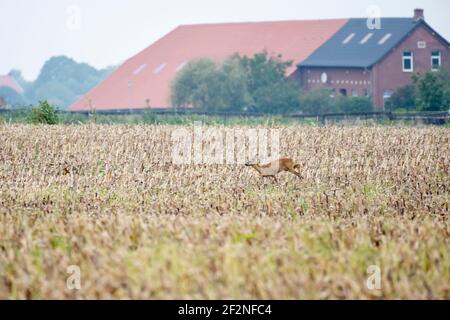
(259, 84)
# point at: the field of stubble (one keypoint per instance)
(108, 200)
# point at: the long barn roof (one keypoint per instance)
(148, 75)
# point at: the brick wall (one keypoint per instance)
(351, 79)
(388, 74)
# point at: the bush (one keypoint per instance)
(317, 101)
(44, 113)
(354, 104)
(433, 91)
(404, 99)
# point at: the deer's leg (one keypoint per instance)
(296, 173)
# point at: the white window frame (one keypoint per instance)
(439, 57)
(404, 58)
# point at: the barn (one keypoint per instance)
(345, 55)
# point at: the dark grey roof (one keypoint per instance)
(336, 53)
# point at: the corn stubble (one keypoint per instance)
(107, 199)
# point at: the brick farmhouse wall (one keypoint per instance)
(388, 74)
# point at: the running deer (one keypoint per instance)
(275, 167)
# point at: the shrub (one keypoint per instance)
(317, 101)
(403, 98)
(322, 100)
(433, 90)
(354, 104)
(44, 113)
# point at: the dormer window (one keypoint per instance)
(408, 62)
(435, 60)
(385, 38)
(366, 38)
(349, 38)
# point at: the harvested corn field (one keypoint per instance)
(369, 219)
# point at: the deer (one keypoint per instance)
(273, 168)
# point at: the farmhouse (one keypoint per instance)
(359, 61)
(349, 56)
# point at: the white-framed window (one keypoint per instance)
(408, 61)
(421, 44)
(435, 60)
(354, 93)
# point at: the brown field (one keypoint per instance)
(107, 199)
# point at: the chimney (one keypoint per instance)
(418, 15)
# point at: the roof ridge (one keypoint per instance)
(285, 21)
(259, 22)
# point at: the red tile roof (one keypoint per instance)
(7, 81)
(147, 76)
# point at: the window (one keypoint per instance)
(385, 38)
(347, 40)
(366, 38)
(408, 64)
(160, 68)
(387, 94)
(343, 92)
(435, 60)
(181, 66)
(366, 92)
(354, 93)
(139, 69)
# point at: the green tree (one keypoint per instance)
(270, 89)
(17, 75)
(44, 113)
(238, 84)
(403, 98)
(61, 81)
(432, 91)
(198, 85)
(235, 85)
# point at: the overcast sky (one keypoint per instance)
(106, 32)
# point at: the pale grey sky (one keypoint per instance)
(105, 32)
